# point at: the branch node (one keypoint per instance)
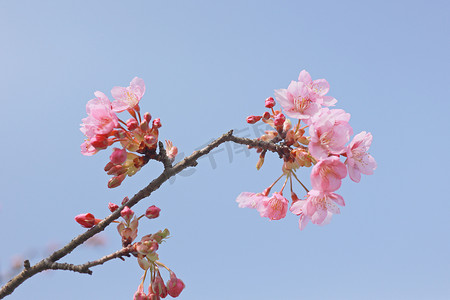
(26, 264)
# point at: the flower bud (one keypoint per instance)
(116, 181)
(270, 102)
(266, 115)
(157, 123)
(253, 119)
(144, 126)
(116, 170)
(150, 140)
(125, 200)
(118, 156)
(260, 162)
(152, 212)
(175, 285)
(140, 295)
(132, 124)
(99, 141)
(147, 117)
(279, 120)
(108, 166)
(158, 286)
(127, 213)
(112, 207)
(87, 220)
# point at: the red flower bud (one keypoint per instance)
(158, 286)
(266, 115)
(270, 102)
(157, 123)
(279, 120)
(174, 286)
(99, 141)
(127, 213)
(112, 207)
(116, 181)
(118, 156)
(132, 124)
(253, 119)
(147, 117)
(152, 212)
(87, 220)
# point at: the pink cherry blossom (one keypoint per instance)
(297, 101)
(327, 174)
(250, 200)
(318, 207)
(358, 159)
(101, 119)
(317, 88)
(275, 207)
(329, 131)
(129, 97)
(87, 149)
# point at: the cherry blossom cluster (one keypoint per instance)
(145, 250)
(327, 149)
(138, 136)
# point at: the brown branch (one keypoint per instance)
(169, 171)
(84, 268)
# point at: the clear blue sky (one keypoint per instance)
(207, 66)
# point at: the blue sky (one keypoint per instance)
(207, 66)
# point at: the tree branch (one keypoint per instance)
(169, 171)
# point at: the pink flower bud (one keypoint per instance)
(116, 181)
(270, 102)
(158, 286)
(157, 123)
(132, 124)
(279, 120)
(127, 213)
(153, 296)
(174, 286)
(144, 126)
(253, 119)
(150, 140)
(152, 212)
(116, 170)
(118, 156)
(125, 200)
(140, 295)
(147, 117)
(99, 141)
(108, 166)
(87, 220)
(266, 115)
(112, 207)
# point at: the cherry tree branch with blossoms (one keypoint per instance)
(49, 263)
(304, 100)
